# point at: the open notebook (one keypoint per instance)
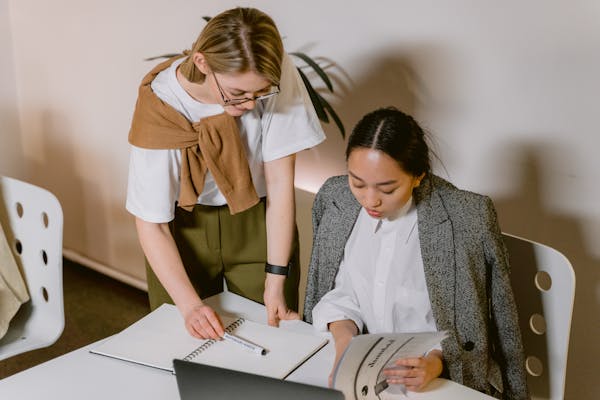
(160, 337)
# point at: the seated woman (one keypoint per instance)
(398, 249)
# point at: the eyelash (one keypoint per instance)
(382, 191)
(240, 94)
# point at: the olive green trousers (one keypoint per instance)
(215, 246)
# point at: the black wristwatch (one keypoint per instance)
(278, 269)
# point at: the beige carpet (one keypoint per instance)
(96, 306)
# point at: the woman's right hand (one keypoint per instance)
(160, 249)
(203, 322)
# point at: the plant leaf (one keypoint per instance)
(333, 115)
(317, 69)
(314, 98)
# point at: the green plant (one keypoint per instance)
(322, 106)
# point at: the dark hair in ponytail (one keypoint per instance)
(396, 134)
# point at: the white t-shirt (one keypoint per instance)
(277, 127)
(381, 280)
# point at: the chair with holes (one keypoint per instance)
(543, 281)
(32, 219)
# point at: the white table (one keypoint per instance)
(82, 375)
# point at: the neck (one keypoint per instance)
(198, 91)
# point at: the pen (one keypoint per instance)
(248, 345)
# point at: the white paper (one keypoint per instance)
(359, 372)
(160, 337)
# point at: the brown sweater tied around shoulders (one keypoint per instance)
(211, 144)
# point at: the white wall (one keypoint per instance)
(509, 90)
(11, 152)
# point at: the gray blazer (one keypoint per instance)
(467, 273)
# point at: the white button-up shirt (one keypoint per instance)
(381, 281)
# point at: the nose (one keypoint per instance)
(248, 105)
(372, 199)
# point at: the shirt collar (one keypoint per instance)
(376, 224)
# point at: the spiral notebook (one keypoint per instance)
(160, 337)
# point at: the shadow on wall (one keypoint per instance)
(525, 215)
(11, 150)
(56, 167)
(389, 81)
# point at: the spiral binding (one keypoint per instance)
(230, 328)
(235, 324)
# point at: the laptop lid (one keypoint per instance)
(199, 381)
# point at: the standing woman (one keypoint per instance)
(398, 249)
(211, 177)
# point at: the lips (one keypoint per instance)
(373, 213)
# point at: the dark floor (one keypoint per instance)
(96, 306)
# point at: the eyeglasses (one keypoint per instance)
(233, 102)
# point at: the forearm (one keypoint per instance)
(280, 210)
(342, 331)
(162, 254)
(280, 226)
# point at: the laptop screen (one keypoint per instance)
(199, 381)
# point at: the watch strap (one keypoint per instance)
(277, 269)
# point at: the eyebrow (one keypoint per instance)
(242, 91)
(385, 183)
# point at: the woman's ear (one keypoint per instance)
(200, 63)
(419, 179)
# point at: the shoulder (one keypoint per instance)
(335, 193)
(162, 84)
(454, 196)
(336, 188)
(468, 211)
(289, 70)
(335, 184)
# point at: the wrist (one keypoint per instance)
(273, 269)
(187, 307)
(435, 358)
(274, 281)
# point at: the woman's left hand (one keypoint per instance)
(418, 372)
(277, 309)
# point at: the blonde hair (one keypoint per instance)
(238, 40)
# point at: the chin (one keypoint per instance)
(234, 112)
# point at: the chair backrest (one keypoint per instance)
(33, 222)
(543, 281)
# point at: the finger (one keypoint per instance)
(398, 372)
(413, 362)
(272, 316)
(204, 326)
(414, 381)
(415, 387)
(410, 383)
(192, 331)
(285, 313)
(205, 329)
(196, 330)
(290, 315)
(215, 324)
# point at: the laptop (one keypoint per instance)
(199, 381)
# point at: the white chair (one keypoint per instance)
(33, 223)
(544, 286)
